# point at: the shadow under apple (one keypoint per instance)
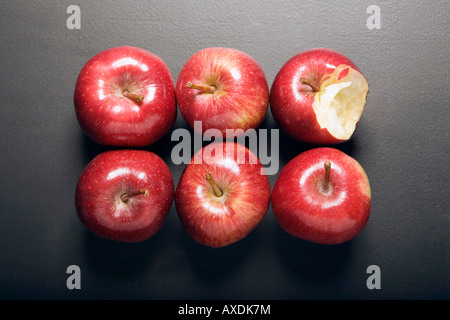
(290, 147)
(311, 262)
(215, 265)
(120, 260)
(162, 147)
(90, 148)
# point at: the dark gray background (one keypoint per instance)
(402, 142)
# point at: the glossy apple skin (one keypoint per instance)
(244, 92)
(305, 212)
(291, 101)
(113, 173)
(246, 199)
(109, 118)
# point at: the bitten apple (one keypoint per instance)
(318, 97)
(124, 195)
(322, 195)
(222, 194)
(224, 88)
(125, 96)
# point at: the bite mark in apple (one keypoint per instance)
(340, 101)
(318, 97)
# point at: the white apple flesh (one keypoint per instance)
(318, 97)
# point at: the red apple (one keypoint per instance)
(125, 96)
(318, 97)
(124, 195)
(323, 196)
(224, 88)
(222, 194)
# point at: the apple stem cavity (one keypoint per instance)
(216, 189)
(136, 98)
(204, 88)
(311, 83)
(326, 184)
(126, 196)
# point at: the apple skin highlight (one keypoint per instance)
(224, 88)
(307, 210)
(300, 87)
(125, 97)
(218, 219)
(124, 195)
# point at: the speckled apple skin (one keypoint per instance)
(222, 221)
(109, 118)
(305, 212)
(291, 101)
(113, 173)
(242, 96)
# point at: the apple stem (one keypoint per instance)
(126, 196)
(204, 88)
(213, 184)
(136, 98)
(326, 184)
(311, 83)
